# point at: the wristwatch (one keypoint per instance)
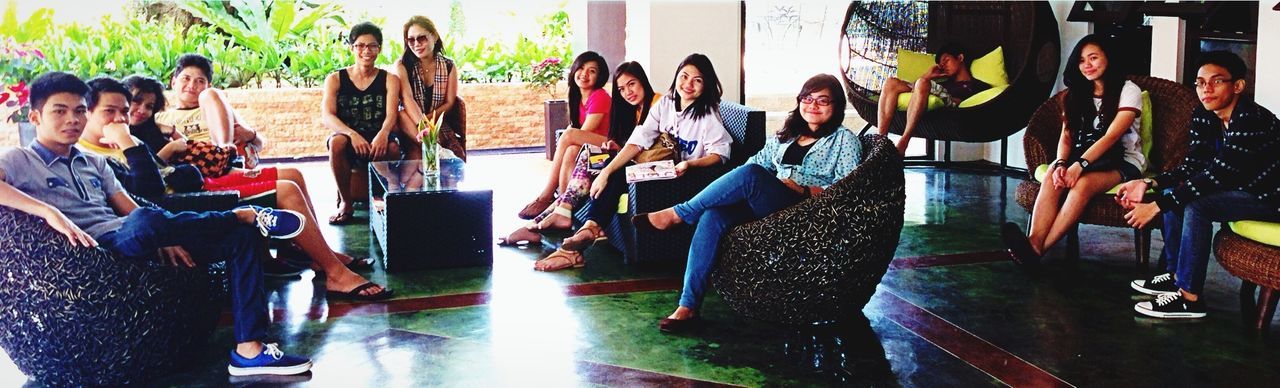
(1151, 183)
(1084, 163)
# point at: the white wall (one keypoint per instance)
(1267, 91)
(1167, 43)
(661, 33)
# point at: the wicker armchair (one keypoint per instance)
(1171, 105)
(746, 126)
(76, 316)
(821, 259)
(1257, 265)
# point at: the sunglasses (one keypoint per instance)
(418, 40)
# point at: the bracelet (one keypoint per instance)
(1059, 162)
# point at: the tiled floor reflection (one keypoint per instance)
(952, 311)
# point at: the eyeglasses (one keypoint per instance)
(821, 101)
(418, 40)
(370, 47)
(1215, 83)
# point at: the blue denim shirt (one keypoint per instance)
(830, 158)
(78, 184)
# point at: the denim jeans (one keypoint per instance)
(206, 235)
(746, 193)
(1188, 232)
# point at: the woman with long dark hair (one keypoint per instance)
(1098, 149)
(428, 87)
(589, 108)
(691, 113)
(631, 93)
(811, 152)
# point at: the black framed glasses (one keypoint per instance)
(820, 100)
(1215, 83)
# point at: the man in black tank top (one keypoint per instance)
(359, 111)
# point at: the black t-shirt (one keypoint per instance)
(795, 153)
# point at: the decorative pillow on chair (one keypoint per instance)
(1262, 232)
(912, 65)
(990, 68)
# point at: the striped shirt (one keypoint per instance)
(1243, 155)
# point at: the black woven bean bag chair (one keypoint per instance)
(75, 316)
(820, 260)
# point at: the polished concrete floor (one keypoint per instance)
(952, 311)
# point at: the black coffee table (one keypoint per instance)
(424, 222)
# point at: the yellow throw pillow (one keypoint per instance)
(1146, 129)
(982, 97)
(990, 68)
(904, 100)
(1263, 232)
(912, 65)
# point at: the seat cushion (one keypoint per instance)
(1262, 232)
(982, 97)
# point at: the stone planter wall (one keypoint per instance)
(503, 115)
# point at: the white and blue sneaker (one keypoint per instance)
(280, 224)
(272, 361)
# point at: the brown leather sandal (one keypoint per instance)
(560, 259)
(576, 244)
(533, 209)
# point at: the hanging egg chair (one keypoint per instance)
(1027, 31)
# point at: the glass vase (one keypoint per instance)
(430, 159)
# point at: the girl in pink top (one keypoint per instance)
(588, 124)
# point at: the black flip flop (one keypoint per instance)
(355, 293)
(358, 263)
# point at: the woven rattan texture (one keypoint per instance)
(821, 259)
(75, 316)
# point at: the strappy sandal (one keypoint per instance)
(571, 244)
(560, 259)
(533, 209)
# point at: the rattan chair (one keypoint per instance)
(76, 316)
(1257, 265)
(1171, 105)
(1028, 32)
(820, 260)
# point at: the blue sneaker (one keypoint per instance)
(272, 361)
(281, 224)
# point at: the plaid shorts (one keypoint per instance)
(936, 89)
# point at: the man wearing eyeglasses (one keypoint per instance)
(1231, 173)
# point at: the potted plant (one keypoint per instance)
(544, 76)
(18, 64)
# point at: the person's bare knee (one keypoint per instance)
(289, 196)
(339, 146)
(895, 85)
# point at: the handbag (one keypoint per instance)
(594, 158)
(212, 160)
(663, 148)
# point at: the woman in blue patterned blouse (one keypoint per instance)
(811, 152)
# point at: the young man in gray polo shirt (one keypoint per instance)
(78, 195)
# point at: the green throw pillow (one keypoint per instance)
(912, 65)
(1263, 232)
(990, 68)
(904, 100)
(1146, 129)
(983, 96)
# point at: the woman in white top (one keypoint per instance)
(1098, 149)
(691, 113)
